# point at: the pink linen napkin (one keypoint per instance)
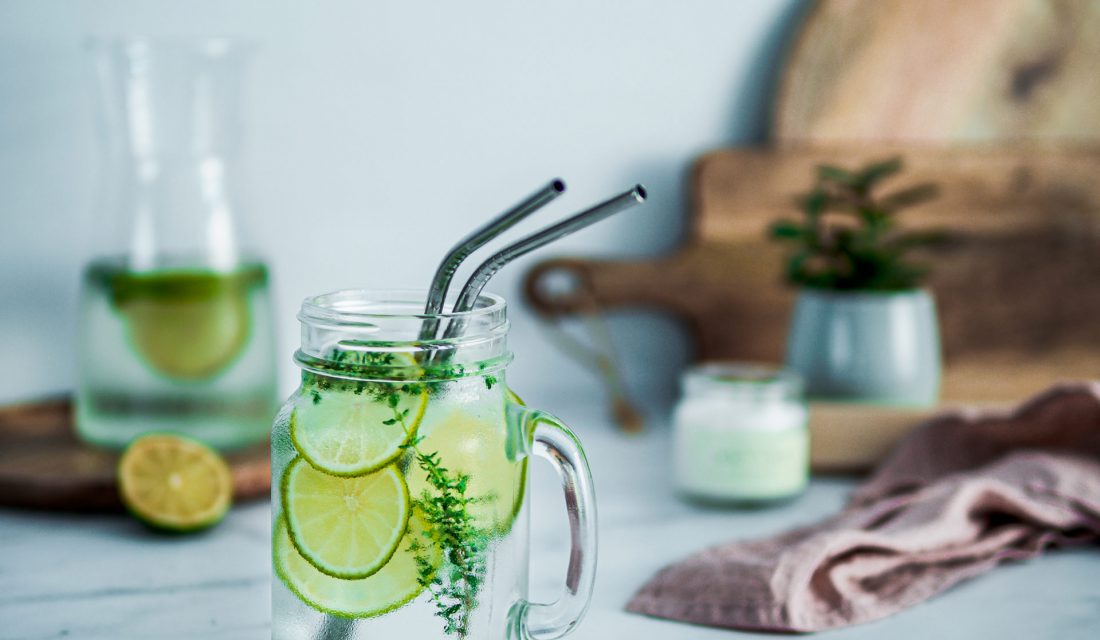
(961, 494)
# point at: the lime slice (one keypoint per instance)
(346, 527)
(480, 450)
(348, 434)
(173, 483)
(394, 585)
(185, 325)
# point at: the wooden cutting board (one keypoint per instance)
(1017, 285)
(942, 70)
(44, 466)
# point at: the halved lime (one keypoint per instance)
(186, 325)
(394, 585)
(174, 483)
(478, 449)
(347, 434)
(346, 527)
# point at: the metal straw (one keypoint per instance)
(336, 628)
(486, 270)
(437, 293)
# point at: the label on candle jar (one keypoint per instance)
(741, 464)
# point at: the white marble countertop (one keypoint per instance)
(107, 578)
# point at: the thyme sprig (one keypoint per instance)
(455, 589)
(376, 373)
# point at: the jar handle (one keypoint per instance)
(553, 441)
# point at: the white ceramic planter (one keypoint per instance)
(867, 346)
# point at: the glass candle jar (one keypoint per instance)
(741, 434)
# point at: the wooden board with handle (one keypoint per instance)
(44, 466)
(1017, 284)
(943, 71)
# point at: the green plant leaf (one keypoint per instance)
(796, 266)
(859, 250)
(870, 175)
(833, 173)
(788, 229)
(910, 196)
(813, 204)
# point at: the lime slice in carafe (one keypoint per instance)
(174, 483)
(481, 451)
(398, 582)
(345, 527)
(348, 434)
(188, 325)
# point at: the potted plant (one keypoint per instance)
(863, 328)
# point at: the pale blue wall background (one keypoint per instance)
(376, 127)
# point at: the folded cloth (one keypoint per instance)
(959, 495)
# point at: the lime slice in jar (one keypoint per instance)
(349, 434)
(397, 583)
(480, 451)
(345, 527)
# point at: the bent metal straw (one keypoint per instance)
(486, 270)
(334, 627)
(437, 293)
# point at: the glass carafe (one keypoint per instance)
(399, 481)
(175, 329)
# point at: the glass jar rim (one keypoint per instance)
(352, 307)
(384, 334)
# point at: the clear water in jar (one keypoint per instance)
(351, 560)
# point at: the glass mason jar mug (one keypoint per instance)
(399, 479)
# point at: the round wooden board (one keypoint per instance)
(942, 70)
(44, 466)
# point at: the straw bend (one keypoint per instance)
(444, 273)
(486, 270)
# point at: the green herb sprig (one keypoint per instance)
(847, 239)
(455, 589)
